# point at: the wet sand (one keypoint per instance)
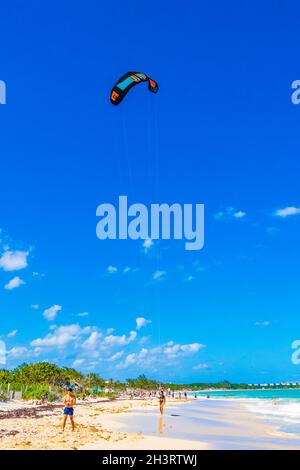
(201, 424)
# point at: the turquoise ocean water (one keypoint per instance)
(284, 411)
(291, 394)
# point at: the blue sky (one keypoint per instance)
(221, 131)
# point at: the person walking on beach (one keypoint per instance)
(162, 401)
(69, 403)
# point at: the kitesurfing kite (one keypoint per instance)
(126, 82)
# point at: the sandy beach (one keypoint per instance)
(136, 424)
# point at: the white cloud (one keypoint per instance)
(89, 342)
(201, 367)
(287, 212)
(51, 313)
(199, 267)
(12, 334)
(230, 213)
(262, 323)
(35, 306)
(130, 270)
(113, 340)
(148, 244)
(141, 321)
(143, 340)
(16, 353)
(37, 352)
(37, 274)
(77, 363)
(159, 275)
(239, 215)
(130, 360)
(92, 340)
(166, 354)
(172, 348)
(116, 356)
(13, 260)
(61, 337)
(112, 269)
(91, 345)
(13, 283)
(83, 314)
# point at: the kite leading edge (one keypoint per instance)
(128, 81)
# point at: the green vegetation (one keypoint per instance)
(37, 392)
(45, 380)
(142, 383)
(42, 380)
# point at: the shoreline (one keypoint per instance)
(220, 426)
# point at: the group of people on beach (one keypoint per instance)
(69, 402)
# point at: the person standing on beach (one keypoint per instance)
(69, 403)
(162, 401)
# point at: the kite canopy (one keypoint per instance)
(126, 82)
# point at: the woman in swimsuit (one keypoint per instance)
(162, 401)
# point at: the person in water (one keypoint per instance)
(69, 403)
(162, 401)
